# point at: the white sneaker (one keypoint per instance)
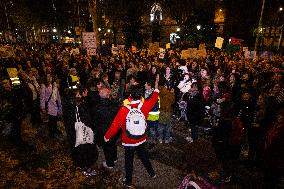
(105, 166)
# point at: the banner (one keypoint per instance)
(219, 42)
(89, 42)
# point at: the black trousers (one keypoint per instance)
(110, 152)
(142, 155)
(35, 114)
(52, 126)
(15, 135)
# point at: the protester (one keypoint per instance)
(104, 115)
(154, 114)
(133, 131)
(50, 104)
(76, 109)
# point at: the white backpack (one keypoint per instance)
(135, 122)
(84, 134)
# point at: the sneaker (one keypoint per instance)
(123, 182)
(105, 166)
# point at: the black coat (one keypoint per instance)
(195, 109)
(103, 117)
(83, 155)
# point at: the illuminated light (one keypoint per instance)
(220, 10)
(54, 30)
(198, 27)
(99, 29)
(281, 9)
(1, 33)
(230, 40)
(14, 78)
(103, 42)
(68, 31)
(108, 30)
(178, 29)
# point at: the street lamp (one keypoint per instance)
(198, 27)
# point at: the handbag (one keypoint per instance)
(84, 134)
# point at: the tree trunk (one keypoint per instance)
(93, 8)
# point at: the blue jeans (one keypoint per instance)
(164, 131)
(153, 130)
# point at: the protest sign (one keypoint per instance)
(219, 42)
(168, 46)
(89, 42)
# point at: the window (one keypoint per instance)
(156, 13)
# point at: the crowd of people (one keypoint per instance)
(240, 99)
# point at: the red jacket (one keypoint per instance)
(120, 120)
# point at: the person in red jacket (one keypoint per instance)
(134, 144)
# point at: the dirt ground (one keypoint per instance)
(45, 163)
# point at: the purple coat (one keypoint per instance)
(54, 104)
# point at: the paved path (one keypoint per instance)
(167, 177)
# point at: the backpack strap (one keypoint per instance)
(128, 107)
(77, 115)
(140, 105)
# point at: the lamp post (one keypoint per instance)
(259, 26)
